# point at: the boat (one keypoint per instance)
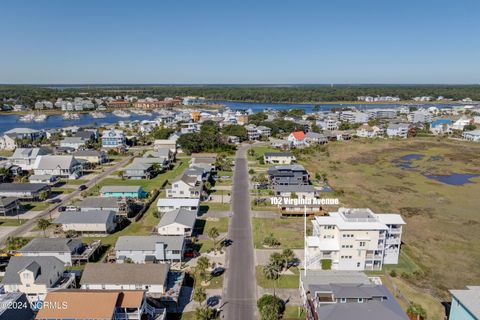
(27, 118)
(70, 116)
(121, 114)
(40, 118)
(98, 115)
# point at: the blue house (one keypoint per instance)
(113, 139)
(465, 304)
(135, 192)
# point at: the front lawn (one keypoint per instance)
(35, 205)
(11, 222)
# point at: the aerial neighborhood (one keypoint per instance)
(139, 217)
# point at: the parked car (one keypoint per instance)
(218, 271)
(191, 254)
(82, 187)
(62, 208)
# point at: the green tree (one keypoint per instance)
(42, 195)
(203, 313)
(203, 263)
(276, 259)
(235, 130)
(213, 234)
(199, 295)
(288, 257)
(272, 272)
(43, 225)
(270, 307)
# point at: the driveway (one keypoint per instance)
(239, 289)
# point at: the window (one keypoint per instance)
(362, 244)
(360, 300)
(358, 264)
(343, 300)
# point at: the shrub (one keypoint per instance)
(393, 273)
(271, 241)
(270, 307)
(326, 264)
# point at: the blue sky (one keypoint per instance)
(262, 41)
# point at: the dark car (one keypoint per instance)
(82, 187)
(61, 208)
(218, 271)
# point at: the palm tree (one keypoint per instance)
(202, 265)
(214, 234)
(43, 224)
(277, 260)
(271, 272)
(199, 295)
(203, 313)
(288, 257)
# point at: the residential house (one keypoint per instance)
(95, 222)
(189, 127)
(179, 222)
(367, 131)
(169, 204)
(140, 168)
(142, 249)
(186, 187)
(91, 156)
(150, 277)
(301, 191)
(382, 114)
(25, 133)
(73, 142)
(472, 135)
(61, 248)
(15, 306)
(465, 304)
(134, 192)
(9, 206)
(165, 143)
(264, 131)
(100, 305)
(278, 158)
(25, 157)
(113, 139)
(354, 239)
(36, 276)
(59, 166)
(7, 142)
(204, 160)
(252, 132)
(280, 143)
(24, 191)
(333, 295)
(297, 138)
(163, 156)
(461, 123)
(120, 206)
(194, 101)
(441, 126)
(398, 130)
(312, 138)
(42, 178)
(288, 175)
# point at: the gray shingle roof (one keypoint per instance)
(8, 300)
(86, 217)
(55, 162)
(125, 273)
(23, 187)
(147, 243)
(371, 310)
(45, 267)
(278, 154)
(181, 216)
(52, 245)
(294, 188)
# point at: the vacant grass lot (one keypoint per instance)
(12, 222)
(287, 281)
(288, 231)
(441, 238)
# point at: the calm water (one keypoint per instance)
(454, 179)
(8, 122)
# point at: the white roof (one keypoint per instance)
(178, 202)
(390, 218)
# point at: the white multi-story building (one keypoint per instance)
(354, 239)
(419, 116)
(354, 117)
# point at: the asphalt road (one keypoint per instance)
(239, 292)
(24, 228)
